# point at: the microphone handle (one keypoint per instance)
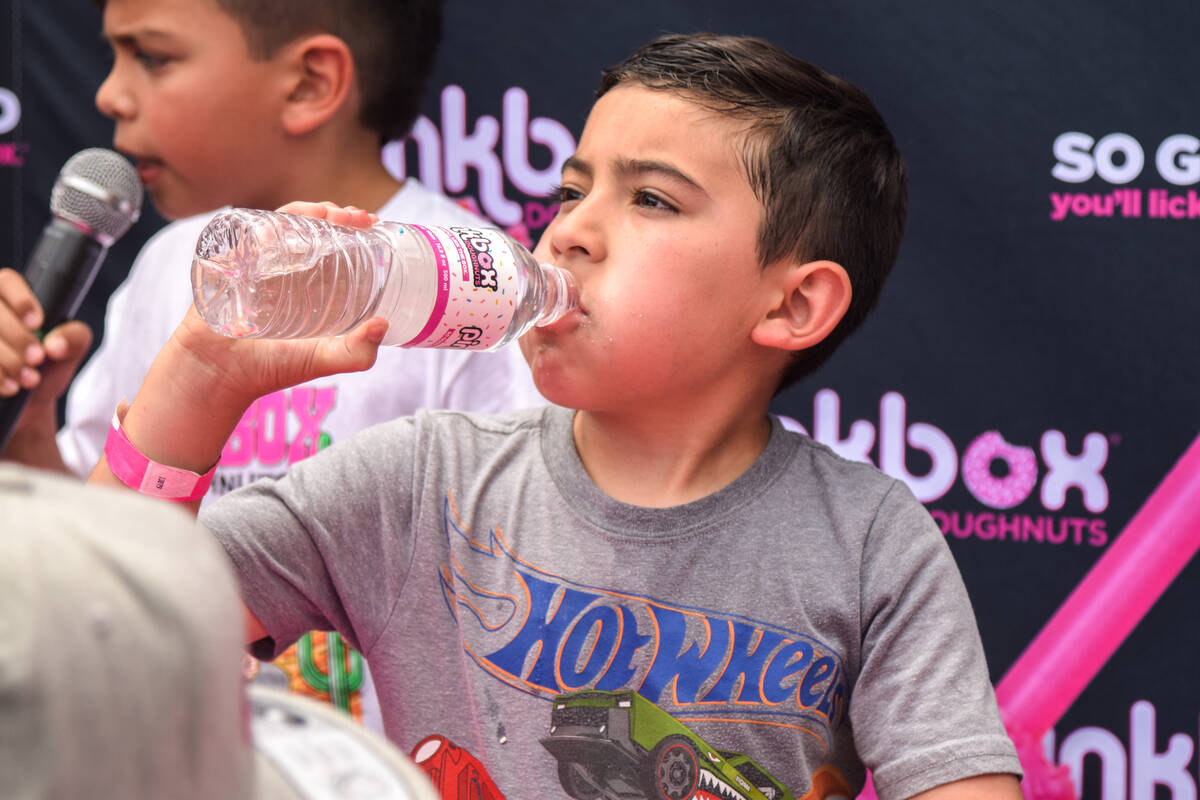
(63, 266)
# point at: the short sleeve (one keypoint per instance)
(327, 546)
(923, 709)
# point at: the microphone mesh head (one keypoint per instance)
(99, 189)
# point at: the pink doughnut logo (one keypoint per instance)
(1060, 468)
(997, 492)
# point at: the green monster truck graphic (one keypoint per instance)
(620, 746)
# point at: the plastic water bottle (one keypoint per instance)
(287, 276)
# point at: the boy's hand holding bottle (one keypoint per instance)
(247, 368)
(201, 382)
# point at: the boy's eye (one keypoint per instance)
(149, 61)
(564, 194)
(647, 199)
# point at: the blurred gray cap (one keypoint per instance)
(120, 655)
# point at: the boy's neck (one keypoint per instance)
(669, 461)
(363, 182)
(339, 162)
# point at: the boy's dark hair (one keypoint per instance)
(393, 42)
(819, 157)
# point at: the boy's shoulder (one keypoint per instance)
(503, 423)
(161, 270)
(816, 472)
(828, 463)
(453, 428)
(177, 234)
(415, 202)
(804, 466)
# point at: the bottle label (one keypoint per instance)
(477, 288)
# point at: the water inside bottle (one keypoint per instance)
(271, 283)
(264, 274)
(215, 291)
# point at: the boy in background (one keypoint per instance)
(650, 589)
(249, 103)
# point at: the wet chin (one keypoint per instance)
(547, 374)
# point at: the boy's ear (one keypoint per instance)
(321, 78)
(807, 303)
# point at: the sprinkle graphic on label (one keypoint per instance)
(471, 261)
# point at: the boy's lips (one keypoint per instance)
(148, 169)
(566, 323)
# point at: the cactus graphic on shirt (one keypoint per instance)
(343, 673)
(320, 665)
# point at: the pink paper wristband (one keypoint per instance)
(137, 471)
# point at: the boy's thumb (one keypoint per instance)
(375, 329)
(362, 345)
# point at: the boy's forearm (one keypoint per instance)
(201, 383)
(182, 415)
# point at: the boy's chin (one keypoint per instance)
(172, 209)
(535, 341)
(174, 205)
(546, 371)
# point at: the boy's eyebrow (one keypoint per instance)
(641, 166)
(634, 166)
(134, 37)
(577, 164)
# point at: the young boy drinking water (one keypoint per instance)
(651, 589)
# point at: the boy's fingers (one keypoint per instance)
(20, 350)
(328, 210)
(19, 298)
(372, 331)
(356, 216)
(68, 342)
(304, 207)
(18, 346)
(65, 347)
(18, 366)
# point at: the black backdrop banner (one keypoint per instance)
(1032, 370)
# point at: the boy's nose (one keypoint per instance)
(578, 232)
(113, 100)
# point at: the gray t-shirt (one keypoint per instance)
(780, 633)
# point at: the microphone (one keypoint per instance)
(96, 198)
